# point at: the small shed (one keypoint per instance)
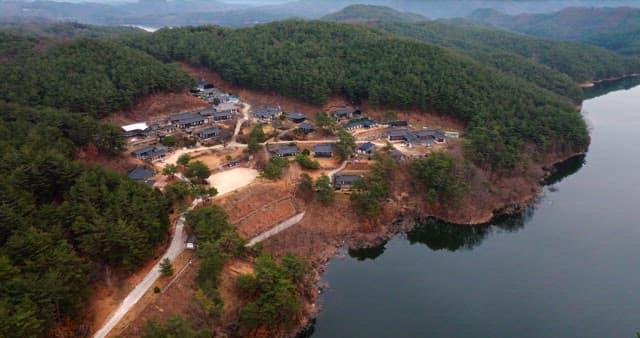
(191, 242)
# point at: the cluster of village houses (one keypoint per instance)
(204, 125)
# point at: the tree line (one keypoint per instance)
(64, 223)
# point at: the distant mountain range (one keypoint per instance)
(160, 13)
(617, 29)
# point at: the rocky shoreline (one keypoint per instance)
(401, 223)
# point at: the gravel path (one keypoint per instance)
(175, 248)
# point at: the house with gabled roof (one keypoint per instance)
(306, 127)
(342, 114)
(323, 150)
(360, 123)
(366, 148)
(296, 117)
(209, 132)
(400, 123)
(286, 151)
(227, 106)
(345, 181)
(150, 152)
(267, 113)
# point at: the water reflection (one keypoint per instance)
(368, 253)
(565, 169)
(606, 87)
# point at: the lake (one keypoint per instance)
(566, 268)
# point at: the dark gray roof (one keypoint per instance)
(401, 132)
(398, 123)
(208, 132)
(267, 112)
(190, 120)
(342, 112)
(323, 148)
(306, 126)
(207, 112)
(191, 239)
(341, 180)
(143, 150)
(223, 113)
(286, 150)
(181, 116)
(294, 115)
(367, 147)
(141, 174)
(364, 123)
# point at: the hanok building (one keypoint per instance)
(342, 114)
(209, 133)
(287, 151)
(187, 120)
(345, 181)
(267, 113)
(207, 112)
(296, 117)
(323, 150)
(306, 127)
(150, 153)
(137, 129)
(227, 106)
(222, 115)
(418, 137)
(366, 148)
(359, 124)
(142, 175)
(401, 123)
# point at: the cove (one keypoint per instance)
(568, 267)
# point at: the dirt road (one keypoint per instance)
(245, 117)
(175, 248)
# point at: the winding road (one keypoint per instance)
(175, 248)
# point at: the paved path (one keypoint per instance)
(175, 248)
(245, 117)
(337, 170)
(276, 230)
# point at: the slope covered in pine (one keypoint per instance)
(540, 61)
(313, 60)
(84, 75)
(617, 29)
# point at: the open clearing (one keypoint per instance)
(233, 179)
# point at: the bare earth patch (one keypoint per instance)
(230, 180)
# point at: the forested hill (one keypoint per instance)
(312, 60)
(617, 29)
(370, 13)
(84, 75)
(65, 224)
(513, 53)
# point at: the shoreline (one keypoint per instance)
(402, 222)
(592, 83)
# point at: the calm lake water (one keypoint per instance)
(568, 268)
